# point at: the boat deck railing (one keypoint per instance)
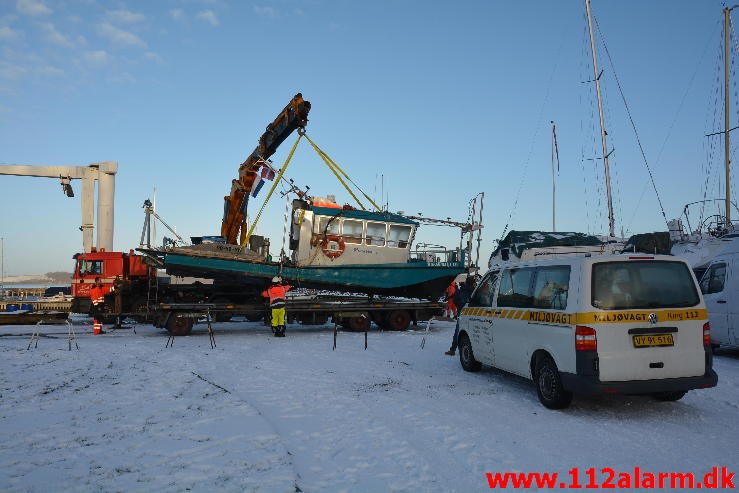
(438, 257)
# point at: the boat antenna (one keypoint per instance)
(603, 133)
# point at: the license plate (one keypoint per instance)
(648, 340)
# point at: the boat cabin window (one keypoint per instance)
(329, 225)
(376, 234)
(398, 236)
(90, 267)
(353, 231)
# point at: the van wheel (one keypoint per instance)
(669, 396)
(466, 356)
(549, 385)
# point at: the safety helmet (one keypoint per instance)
(276, 279)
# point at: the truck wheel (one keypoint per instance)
(466, 356)
(669, 396)
(398, 320)
(254, 316)
(177, 325)
(549, 385)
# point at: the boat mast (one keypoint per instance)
(611, 222)
(2, 269)
(555, 156)
(727, 141)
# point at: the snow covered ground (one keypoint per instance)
(257, 413)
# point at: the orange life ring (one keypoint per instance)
(331, 253)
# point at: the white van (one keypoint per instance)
(720, 287)
(632, 324)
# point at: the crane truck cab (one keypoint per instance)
(111, 268)
(591, 324)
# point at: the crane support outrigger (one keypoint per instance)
(292, 117)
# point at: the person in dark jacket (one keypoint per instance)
(463, 295)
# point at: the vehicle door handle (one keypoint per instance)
(721, 301)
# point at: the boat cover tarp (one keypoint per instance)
(657, 243)
(518, 241)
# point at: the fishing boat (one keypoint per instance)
(332, 247)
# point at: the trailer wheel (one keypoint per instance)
(177, 325)
(359, 324)
(313, 318)
(398, 320)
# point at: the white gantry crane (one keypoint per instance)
(104, 174)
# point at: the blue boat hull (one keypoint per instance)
(413, 279)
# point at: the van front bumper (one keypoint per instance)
(590, 385)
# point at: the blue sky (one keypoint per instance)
(429, 102)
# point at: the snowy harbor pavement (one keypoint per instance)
(125, 413)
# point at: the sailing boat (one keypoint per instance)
(715, 233)
(521, 245)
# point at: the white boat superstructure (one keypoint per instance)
(715, 232)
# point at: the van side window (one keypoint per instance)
(551, 287)
(713, 280)
(515, 288)
(483, 295)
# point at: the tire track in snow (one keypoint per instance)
(264, 417)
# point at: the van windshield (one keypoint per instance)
(634, 285)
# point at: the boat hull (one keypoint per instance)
(412, 279)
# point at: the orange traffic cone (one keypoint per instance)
(97, 327)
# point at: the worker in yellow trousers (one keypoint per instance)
(277, 294)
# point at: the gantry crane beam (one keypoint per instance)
(104, 173)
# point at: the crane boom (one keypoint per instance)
(293, 116)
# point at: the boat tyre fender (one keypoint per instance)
(330, 252)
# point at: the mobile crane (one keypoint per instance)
(176, 306)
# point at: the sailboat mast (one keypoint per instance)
(555, 156)
(611, 222)
(727, 141)
(2, 268)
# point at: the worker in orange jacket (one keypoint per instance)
(97, 297)
(277, 294)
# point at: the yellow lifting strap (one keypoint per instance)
(338, 172)
(271, 191)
